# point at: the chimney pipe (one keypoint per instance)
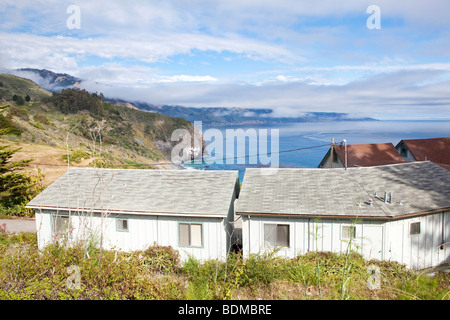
(332, 153)
(345, 152)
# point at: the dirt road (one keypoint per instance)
(19, 225)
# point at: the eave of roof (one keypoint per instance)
(398, 217)
(126, 212)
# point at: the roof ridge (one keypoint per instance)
(422, 139)
(349, 168)
(152, 170)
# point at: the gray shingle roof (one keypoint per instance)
(141, 191)
(421, 186)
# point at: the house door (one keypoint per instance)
(373, 242)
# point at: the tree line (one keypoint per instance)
(74, 100)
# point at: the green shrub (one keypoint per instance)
(8, 239)
(37, 125)
(212, 279)
(264, 268)
(17, 210)
(155, 273)
(42, 118)
(21, 113)
(160, 258)
(76, 156)
(19, 100)
(8, 127)
(27, 273)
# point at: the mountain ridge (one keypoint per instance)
(221, 116)
(51, 81)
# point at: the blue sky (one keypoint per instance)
(290, 55)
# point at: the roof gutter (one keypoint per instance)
(345, 216)
(146, 213)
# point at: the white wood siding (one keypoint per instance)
(43, 228)
(380, 240)
(306, 234)
(142, 232)
(422, 250)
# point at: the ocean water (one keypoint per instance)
(270, 146)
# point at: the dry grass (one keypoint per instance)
(278, 290)
(47, 158)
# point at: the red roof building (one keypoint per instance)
(361, 155)
(436, 150)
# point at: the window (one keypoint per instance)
(403, 152)
(60, 225)
(348, 232)
(276, 235)
(190, 235)
(122, 224)
(414, 228)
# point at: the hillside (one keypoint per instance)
(48, 126)
(10, 85)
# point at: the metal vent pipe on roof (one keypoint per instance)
(345, 152)
(332, 153)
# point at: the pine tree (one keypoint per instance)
(14, 185)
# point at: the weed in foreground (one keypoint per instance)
(156, 273)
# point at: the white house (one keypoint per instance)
(190, 210)
(398, 212)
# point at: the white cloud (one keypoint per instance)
(62, 53)
(397, 95)
(293, 55)
(187, 78)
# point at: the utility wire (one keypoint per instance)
(268, 153)
(190, 161)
